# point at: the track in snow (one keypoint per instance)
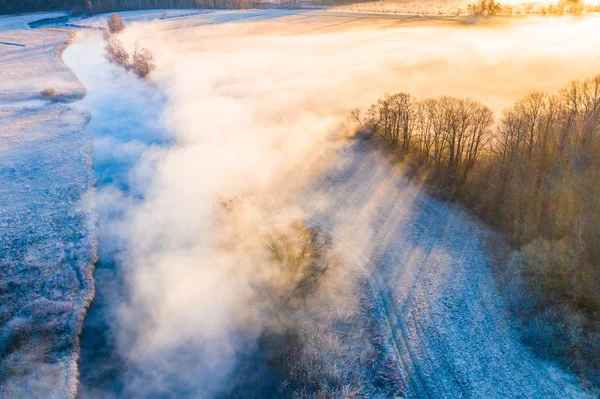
(452, 331)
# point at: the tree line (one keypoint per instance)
(21, 6)
(561, 7)
(141, 62)
(534, 175)
(446, 134)
(543, 169)
(91, 7)
(540, 184)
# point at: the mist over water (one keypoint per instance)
(128, 131)
(247, 112)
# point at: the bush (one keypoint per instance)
(143, 62)
(49, 94)
(306, 342)
(116, 53)
(115, 24)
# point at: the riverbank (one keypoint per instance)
(48, 229)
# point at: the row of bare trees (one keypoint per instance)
(560, 7)
(141, 62)
(535, 176)
(98, 6)
(448, 134)
(542, 182)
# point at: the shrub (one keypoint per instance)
(115, 24)
(116, 53)
(143, 62)
(49, 94)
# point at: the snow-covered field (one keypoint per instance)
(47, 217)
(244, 103)
(451, 331)
(30, 60)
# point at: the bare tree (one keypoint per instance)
(115, 24)
(355, 117)
(115, 52)
(405, 112)
(301, 255)
(393, 117)
(87, 7)
(143, 62)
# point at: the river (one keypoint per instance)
(126, 125)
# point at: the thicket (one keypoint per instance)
(535, 176)
(323, 332)
(569, 7)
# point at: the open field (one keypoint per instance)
(410, 7)
(47, 223)
(30, 60)
(250, 107)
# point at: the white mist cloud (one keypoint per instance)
(251, 109)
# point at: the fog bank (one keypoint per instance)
(213, 151)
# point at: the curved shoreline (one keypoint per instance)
(89, 299)
(58, 131)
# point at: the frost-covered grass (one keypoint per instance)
(31, 65)
(449, 325)
(47, 222)
(47, 243)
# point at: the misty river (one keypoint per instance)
(126, 126)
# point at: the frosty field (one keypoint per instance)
(171, 184)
